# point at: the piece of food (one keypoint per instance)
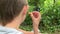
(35, 14)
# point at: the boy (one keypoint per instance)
(13, 13)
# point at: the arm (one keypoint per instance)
(26, 32)
(35, 27)
(36, 16)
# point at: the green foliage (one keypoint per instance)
(34, 2)
(50, 11)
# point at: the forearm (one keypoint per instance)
(35, 27)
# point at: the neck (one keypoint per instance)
(12, 25)
(15, 23)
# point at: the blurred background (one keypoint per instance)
(50, 11)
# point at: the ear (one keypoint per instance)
(25, 8)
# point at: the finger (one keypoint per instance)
(31, 15)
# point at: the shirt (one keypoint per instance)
(5, 30)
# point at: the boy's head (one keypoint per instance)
(10, 9)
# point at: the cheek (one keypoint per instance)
(25, 12)
(24, 17)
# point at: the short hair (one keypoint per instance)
(10, 9)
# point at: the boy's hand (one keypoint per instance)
(36, 16)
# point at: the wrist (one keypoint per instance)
(35, 23)
(35, 30)
(35, 27)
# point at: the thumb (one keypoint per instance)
(31, 14)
